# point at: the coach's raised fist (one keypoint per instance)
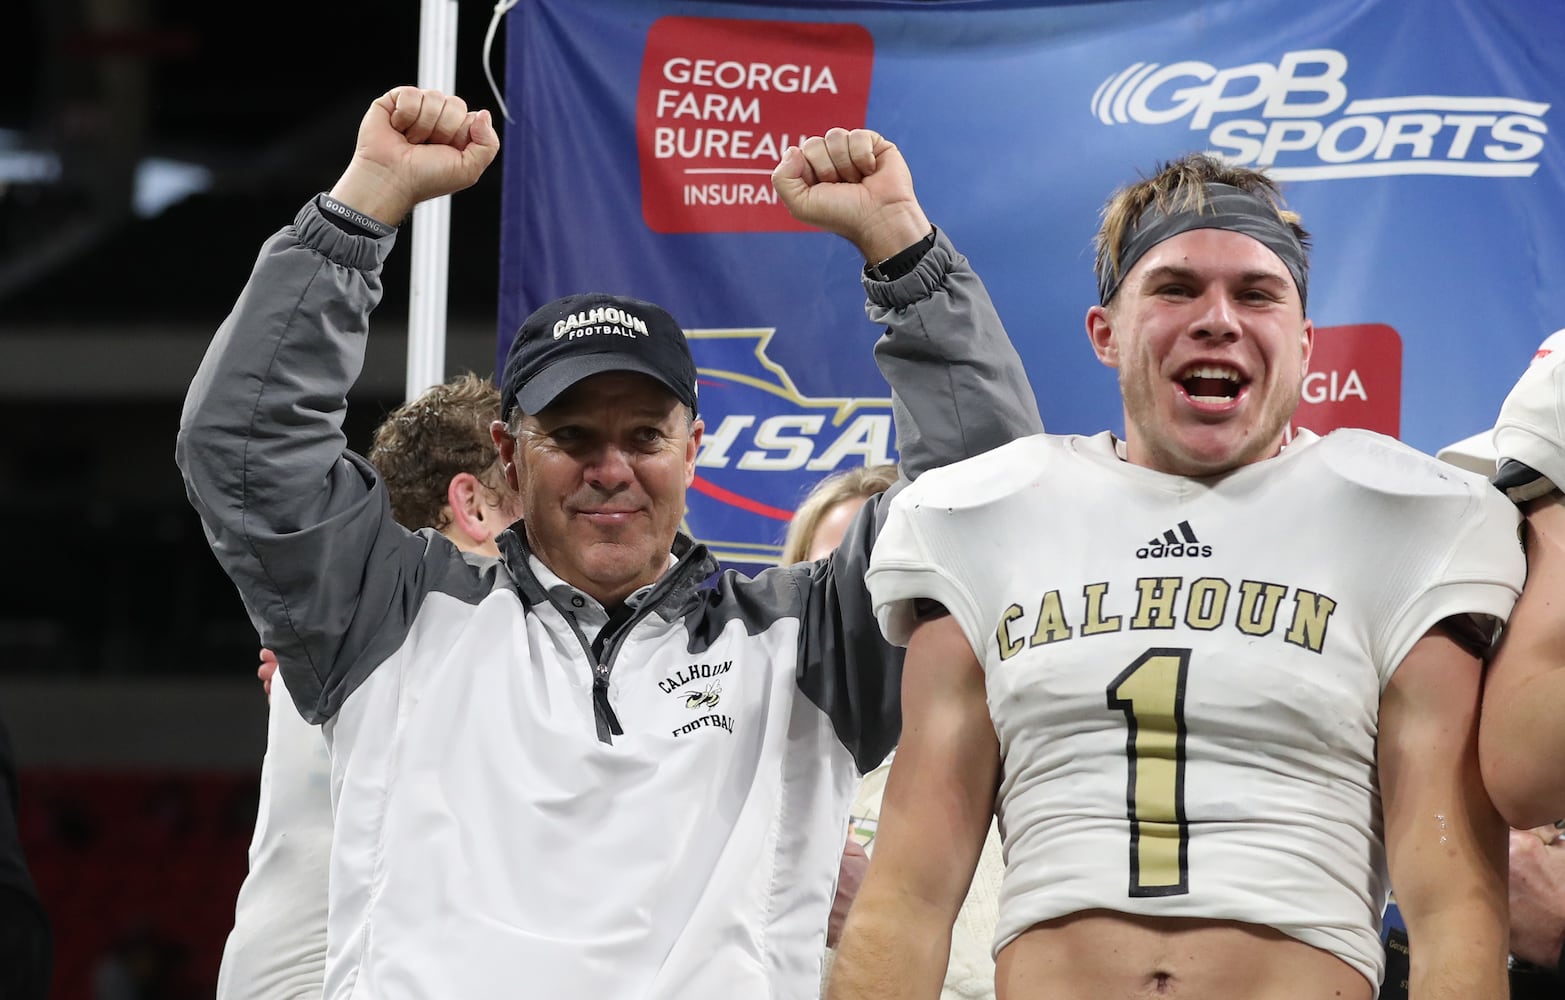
(852, 182)
(415, 144)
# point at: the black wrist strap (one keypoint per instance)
(901, 263)
(358, 220)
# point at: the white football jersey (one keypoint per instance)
(1185, 674)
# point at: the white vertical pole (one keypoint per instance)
(431, 219)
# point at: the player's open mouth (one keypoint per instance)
(1208, 385)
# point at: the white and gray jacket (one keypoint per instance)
(532, 798)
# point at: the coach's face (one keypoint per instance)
(1209, 338)
(602, 473)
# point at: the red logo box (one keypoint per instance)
(1355, 380)
(719, 101)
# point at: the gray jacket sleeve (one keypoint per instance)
(958, 389)
(300, 524)
(958, 386)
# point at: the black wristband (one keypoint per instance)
(353, 217)
(901, 263)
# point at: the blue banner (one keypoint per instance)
(1413, 136)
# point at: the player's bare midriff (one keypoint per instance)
(1102, 955)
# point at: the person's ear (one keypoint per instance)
(692, 450)
(1100, 330)
(1307, 342)
(472, 515)
(505, 444)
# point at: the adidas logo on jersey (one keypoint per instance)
(1173, 543)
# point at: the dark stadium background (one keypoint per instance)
(126, 664)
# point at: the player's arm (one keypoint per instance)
(1445, 842)
(1522, 732)
(938, 802)
(1521, 736)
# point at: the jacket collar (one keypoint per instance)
(693, 565)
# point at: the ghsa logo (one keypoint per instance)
(766, 444)
(1296, 118)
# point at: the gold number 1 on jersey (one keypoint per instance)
(1151, 693)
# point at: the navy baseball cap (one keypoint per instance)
(574, 337)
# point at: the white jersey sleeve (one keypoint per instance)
(1478, 578)
(927, 550)
(277, 948)
(1470, 562)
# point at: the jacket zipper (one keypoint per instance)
(602, 651)
(600, 700)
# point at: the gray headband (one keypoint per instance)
(1227, 207)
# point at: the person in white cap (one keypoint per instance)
(1478, 452)
(1521, 737)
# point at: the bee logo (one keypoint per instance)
(705, 699)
